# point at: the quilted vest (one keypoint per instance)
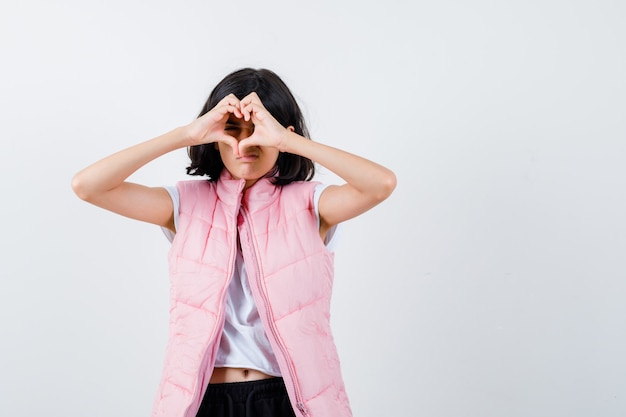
(291, 276)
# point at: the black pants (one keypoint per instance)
(264, 398)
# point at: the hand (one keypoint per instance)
(209, 128)
(267, 130)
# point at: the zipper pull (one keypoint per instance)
(302, 408)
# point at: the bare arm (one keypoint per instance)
(103, 183)
(367, 183)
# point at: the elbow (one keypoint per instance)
(79, 187)
(388, 183)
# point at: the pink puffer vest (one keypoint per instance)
(290, 273)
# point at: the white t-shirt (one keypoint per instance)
(244, 343)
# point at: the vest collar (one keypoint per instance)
(261, 194)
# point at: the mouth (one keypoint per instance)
(247, 158)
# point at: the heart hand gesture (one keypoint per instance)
(267, 131)
(209, 128)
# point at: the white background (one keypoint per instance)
(491, 283)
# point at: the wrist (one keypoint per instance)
(175, 139)
(290, 141)
(183, 137)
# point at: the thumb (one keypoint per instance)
(244, 144)
(234, 144)
(231, 142)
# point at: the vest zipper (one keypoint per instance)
(292, 374)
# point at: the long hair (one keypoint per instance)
(279, 101)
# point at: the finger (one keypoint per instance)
(236, 110)
(260, 113)
(250, 103)
(232, 105)
(231, 99)
(245, 112)
(243, 144)
(236, 104)
(220, 114)
(232, 143)
(250, 108)
(253, 141)
(257, 112)
(252, 97)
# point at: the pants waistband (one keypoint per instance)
(240, 391)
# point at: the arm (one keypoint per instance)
(367, 183)
(103, 183)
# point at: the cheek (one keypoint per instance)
(223, 149)
(274, 157)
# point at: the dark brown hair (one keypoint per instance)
(278, 100)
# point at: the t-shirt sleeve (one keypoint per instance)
(173, 192)
(331, 236)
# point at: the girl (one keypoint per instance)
(250, 264)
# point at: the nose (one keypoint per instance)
(245, 132)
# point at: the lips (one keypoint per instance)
(248, 158)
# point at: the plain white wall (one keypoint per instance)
(491, 283)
